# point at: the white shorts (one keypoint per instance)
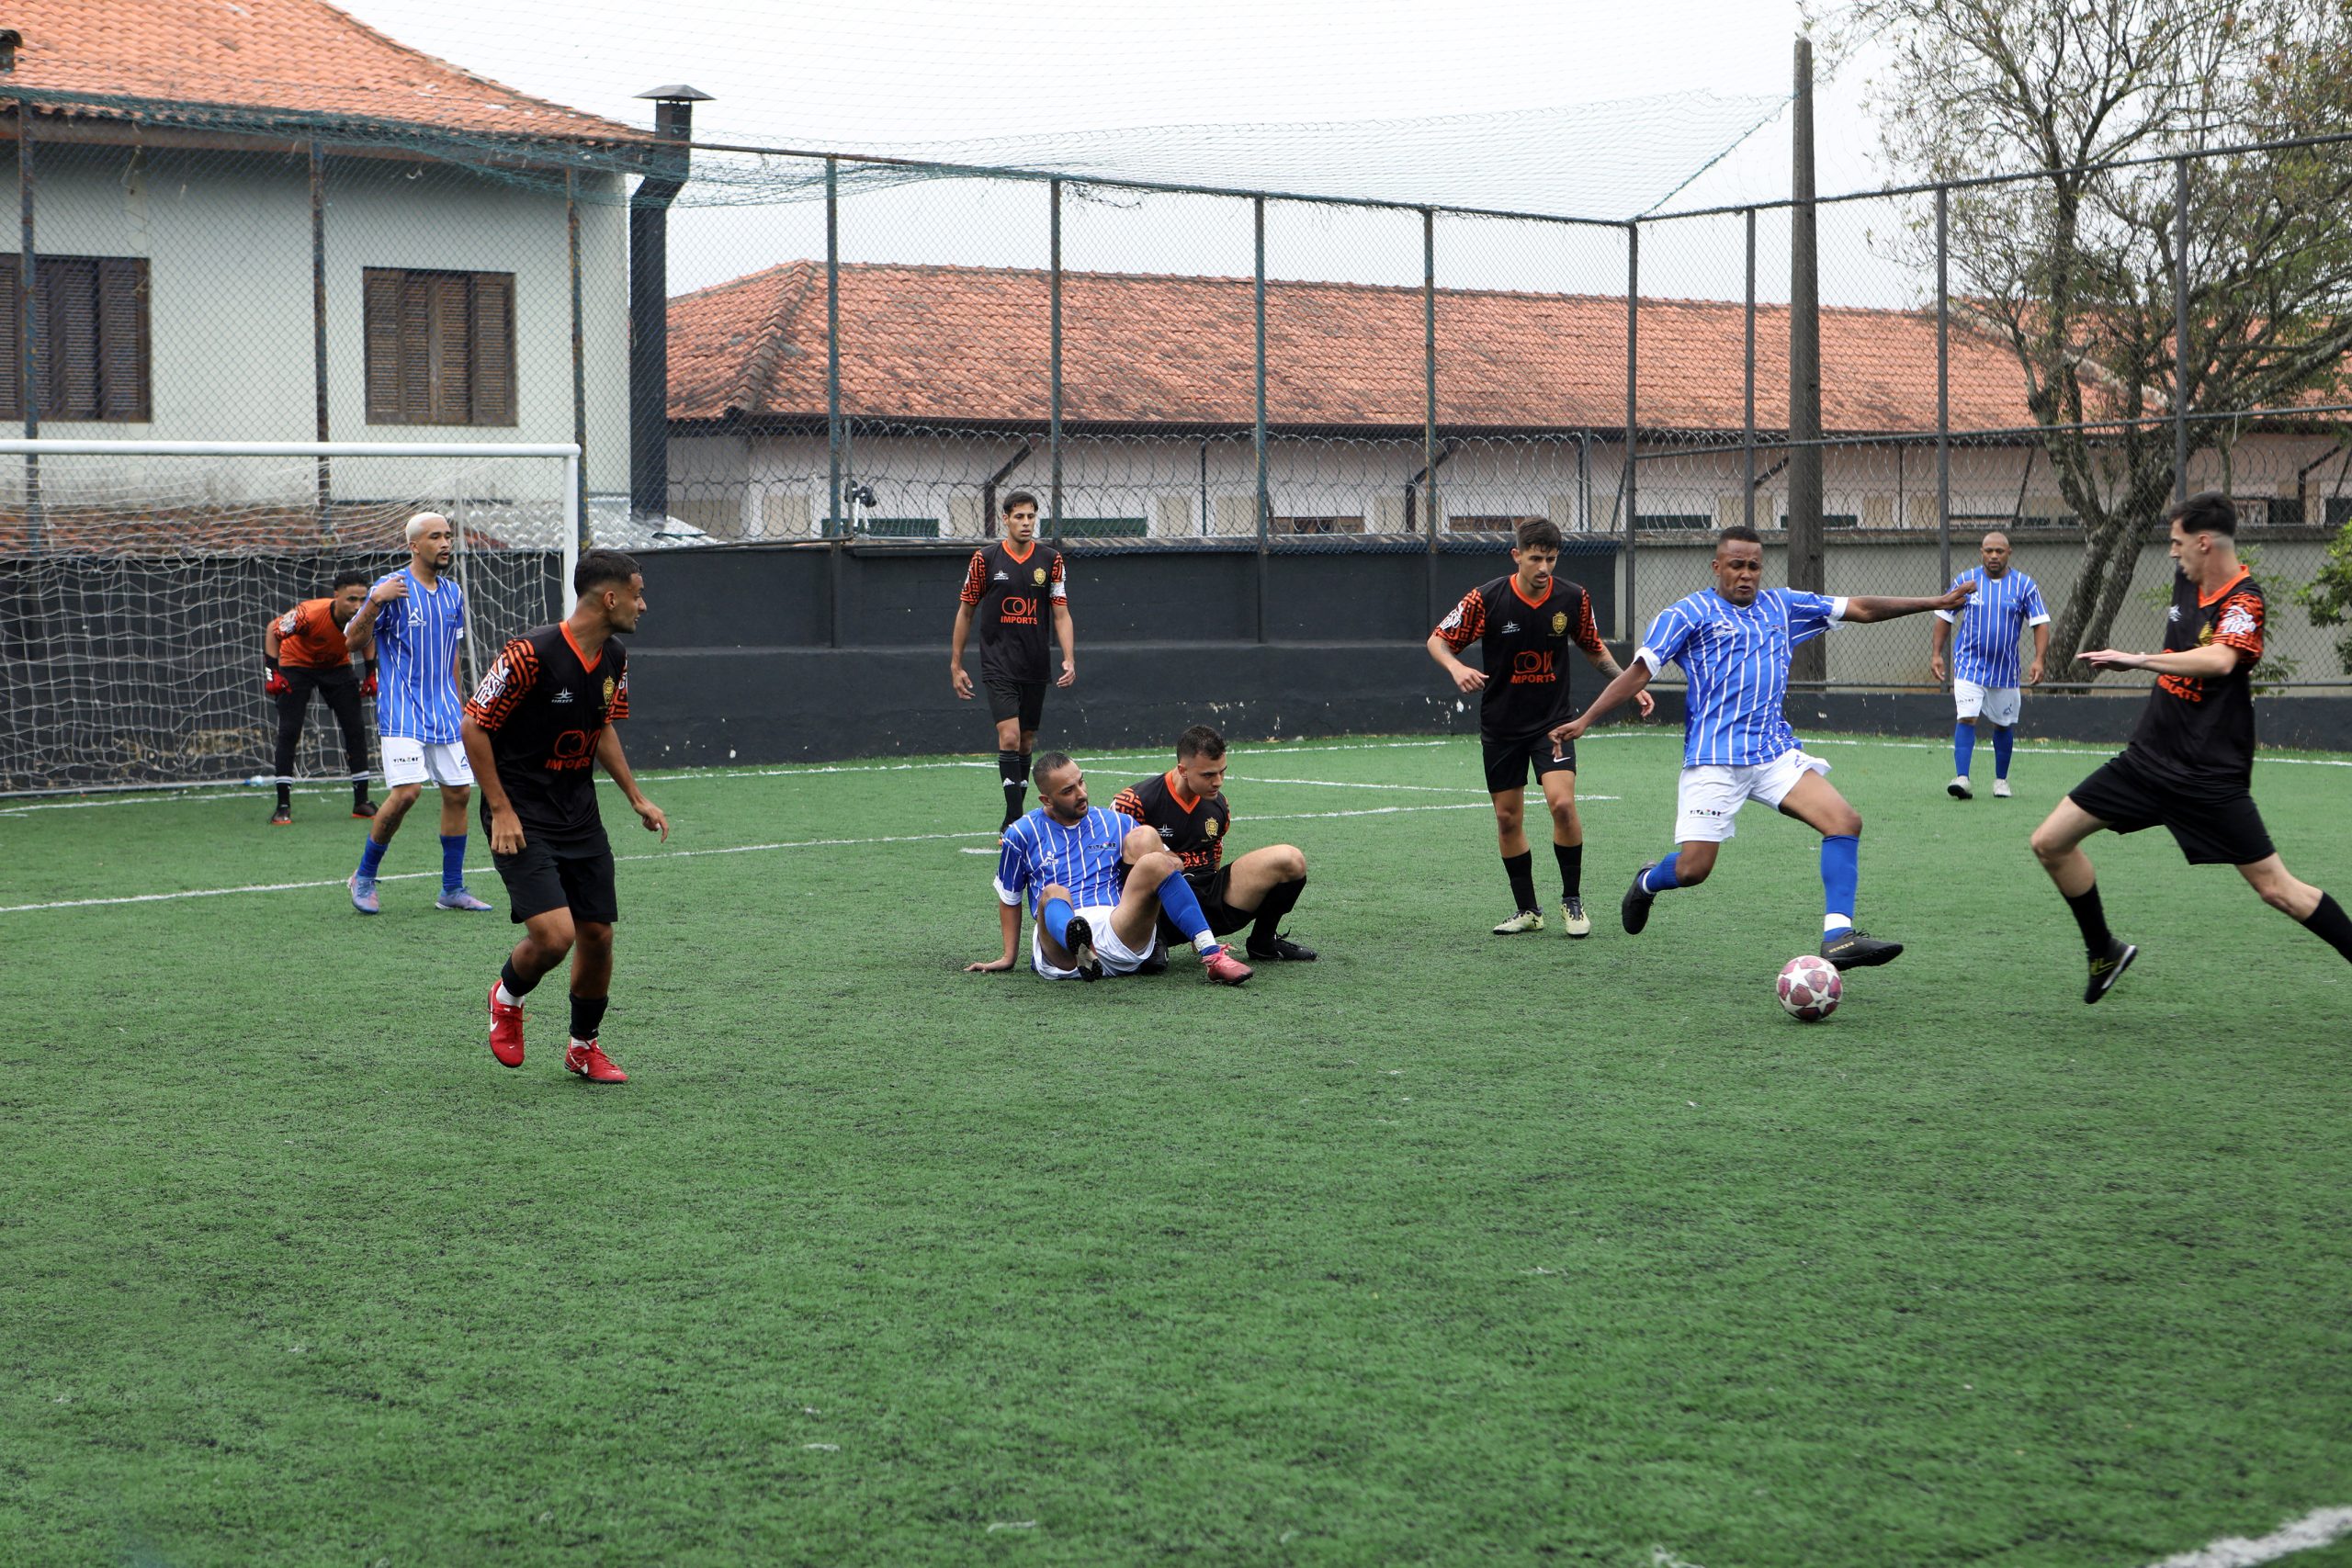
(1710, 795)
(1998, 704)
(419, 762)
(1117, 956)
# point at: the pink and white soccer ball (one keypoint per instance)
(1809, 988)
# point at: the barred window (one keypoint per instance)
(440, 347)
(90, 316)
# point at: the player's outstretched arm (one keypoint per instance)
(2213, 659)
(1009, 916)
(1466, 677)
(1632, 681)
(505, 827)
(1609, 666)
(1863, 609)
(608, 756)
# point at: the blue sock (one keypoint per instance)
(371, 855)
(453, 861)
(2001, 741)
(1660, 878)
(1055, 915)
(1964, 747)
(1841, 869)
(1176, 897)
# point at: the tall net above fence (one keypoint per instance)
(135, 589)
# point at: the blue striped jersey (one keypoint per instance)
(417, 695)
(1738, 661)
(1083, 857)
(1985, 638)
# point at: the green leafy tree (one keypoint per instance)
(2328, 596)
(2072, 270)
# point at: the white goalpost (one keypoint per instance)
(136, 578)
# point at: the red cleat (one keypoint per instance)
(1223, 968)
(505, 1030)
(590, 1063)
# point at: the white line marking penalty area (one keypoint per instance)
(2314, 1529)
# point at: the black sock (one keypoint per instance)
(2091, 916)
(517, 986)
(1571, 859)
(2331, 924)
(1013, 767)
(1520, 869)
(285, 795)
(1281, 898)
(587, 1016)
(360, 792)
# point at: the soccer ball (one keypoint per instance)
(1809, 988)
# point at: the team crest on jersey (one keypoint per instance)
(1210, 828)
(610, 685)
(1038, 577)
(1559, 622)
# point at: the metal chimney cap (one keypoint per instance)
(676, 93)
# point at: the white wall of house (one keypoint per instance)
(227, 236)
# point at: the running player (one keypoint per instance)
(2190, 762)
(417, 705)
(1734, 641)
(305, 653)
(1523, 624)
(1067, 858)
(535, 729)
(1186, 806)
(1007, 589)
(1985, 659)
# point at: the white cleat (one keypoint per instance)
(1525, 921)
(1958, 789)
(2000, 789)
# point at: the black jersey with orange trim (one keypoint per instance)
(1012, 598)
(545, 707)
(1191, 827)
(1525, 647)
(2197, 732)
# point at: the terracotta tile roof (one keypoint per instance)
(966, 344)
(172, 58)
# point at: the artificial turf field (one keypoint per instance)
(1448, 1247)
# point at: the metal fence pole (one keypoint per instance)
(1807, 563)
(577, 467)
(1428, 371)
(833, 343)
(1943, 386)
(1626, 614)
(1257, 213)
(1054, 307)
(325, 479)
(1748, 428)
(28, 319)
(2180, 330)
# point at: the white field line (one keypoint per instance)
(2314, 1529)
(2025, 748)
(682, 855)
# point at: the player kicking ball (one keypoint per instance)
(535, 729)
(1067, 855)
(1734, 641)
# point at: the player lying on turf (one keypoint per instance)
(1068, 856)
(1523, 624)
(2191, 760)
(1186, 806)
(1734, 641)
(536, 729)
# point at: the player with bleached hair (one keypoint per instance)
(418, 619)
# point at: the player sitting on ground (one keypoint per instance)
(1186, 806)
(2191, 760)
(305, 651)
(536, 729)
(1523, 624)
(1734, 641)
(1067, 855)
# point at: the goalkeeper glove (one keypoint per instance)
(368, 686)
(278, 685)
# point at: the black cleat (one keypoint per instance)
(1634, 910)
(2108, 968)
(1079, 938)
(281, 816)
(1277, 950)
(1156, 963)
(363, 808)
(1858, 950)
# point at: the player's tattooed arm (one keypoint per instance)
(1862, 609)
(1633, 682)
(363, 625)
(1009, 917)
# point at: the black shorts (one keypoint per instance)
(1024, 700)
(544, 875)
(1508, 760)
(1223, 918)
(2217, 827)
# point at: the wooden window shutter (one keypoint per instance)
(70, 288)
(492, 335)
(416, 349)
(450, 358)
(383, 314)
(11, 373)
(123, 386)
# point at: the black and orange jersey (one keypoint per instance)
(309, 638)
(1193, 827)
(2199, 730)
(545, 707)
(1012, 598)
(1525, 645)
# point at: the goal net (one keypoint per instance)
(137, 578)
